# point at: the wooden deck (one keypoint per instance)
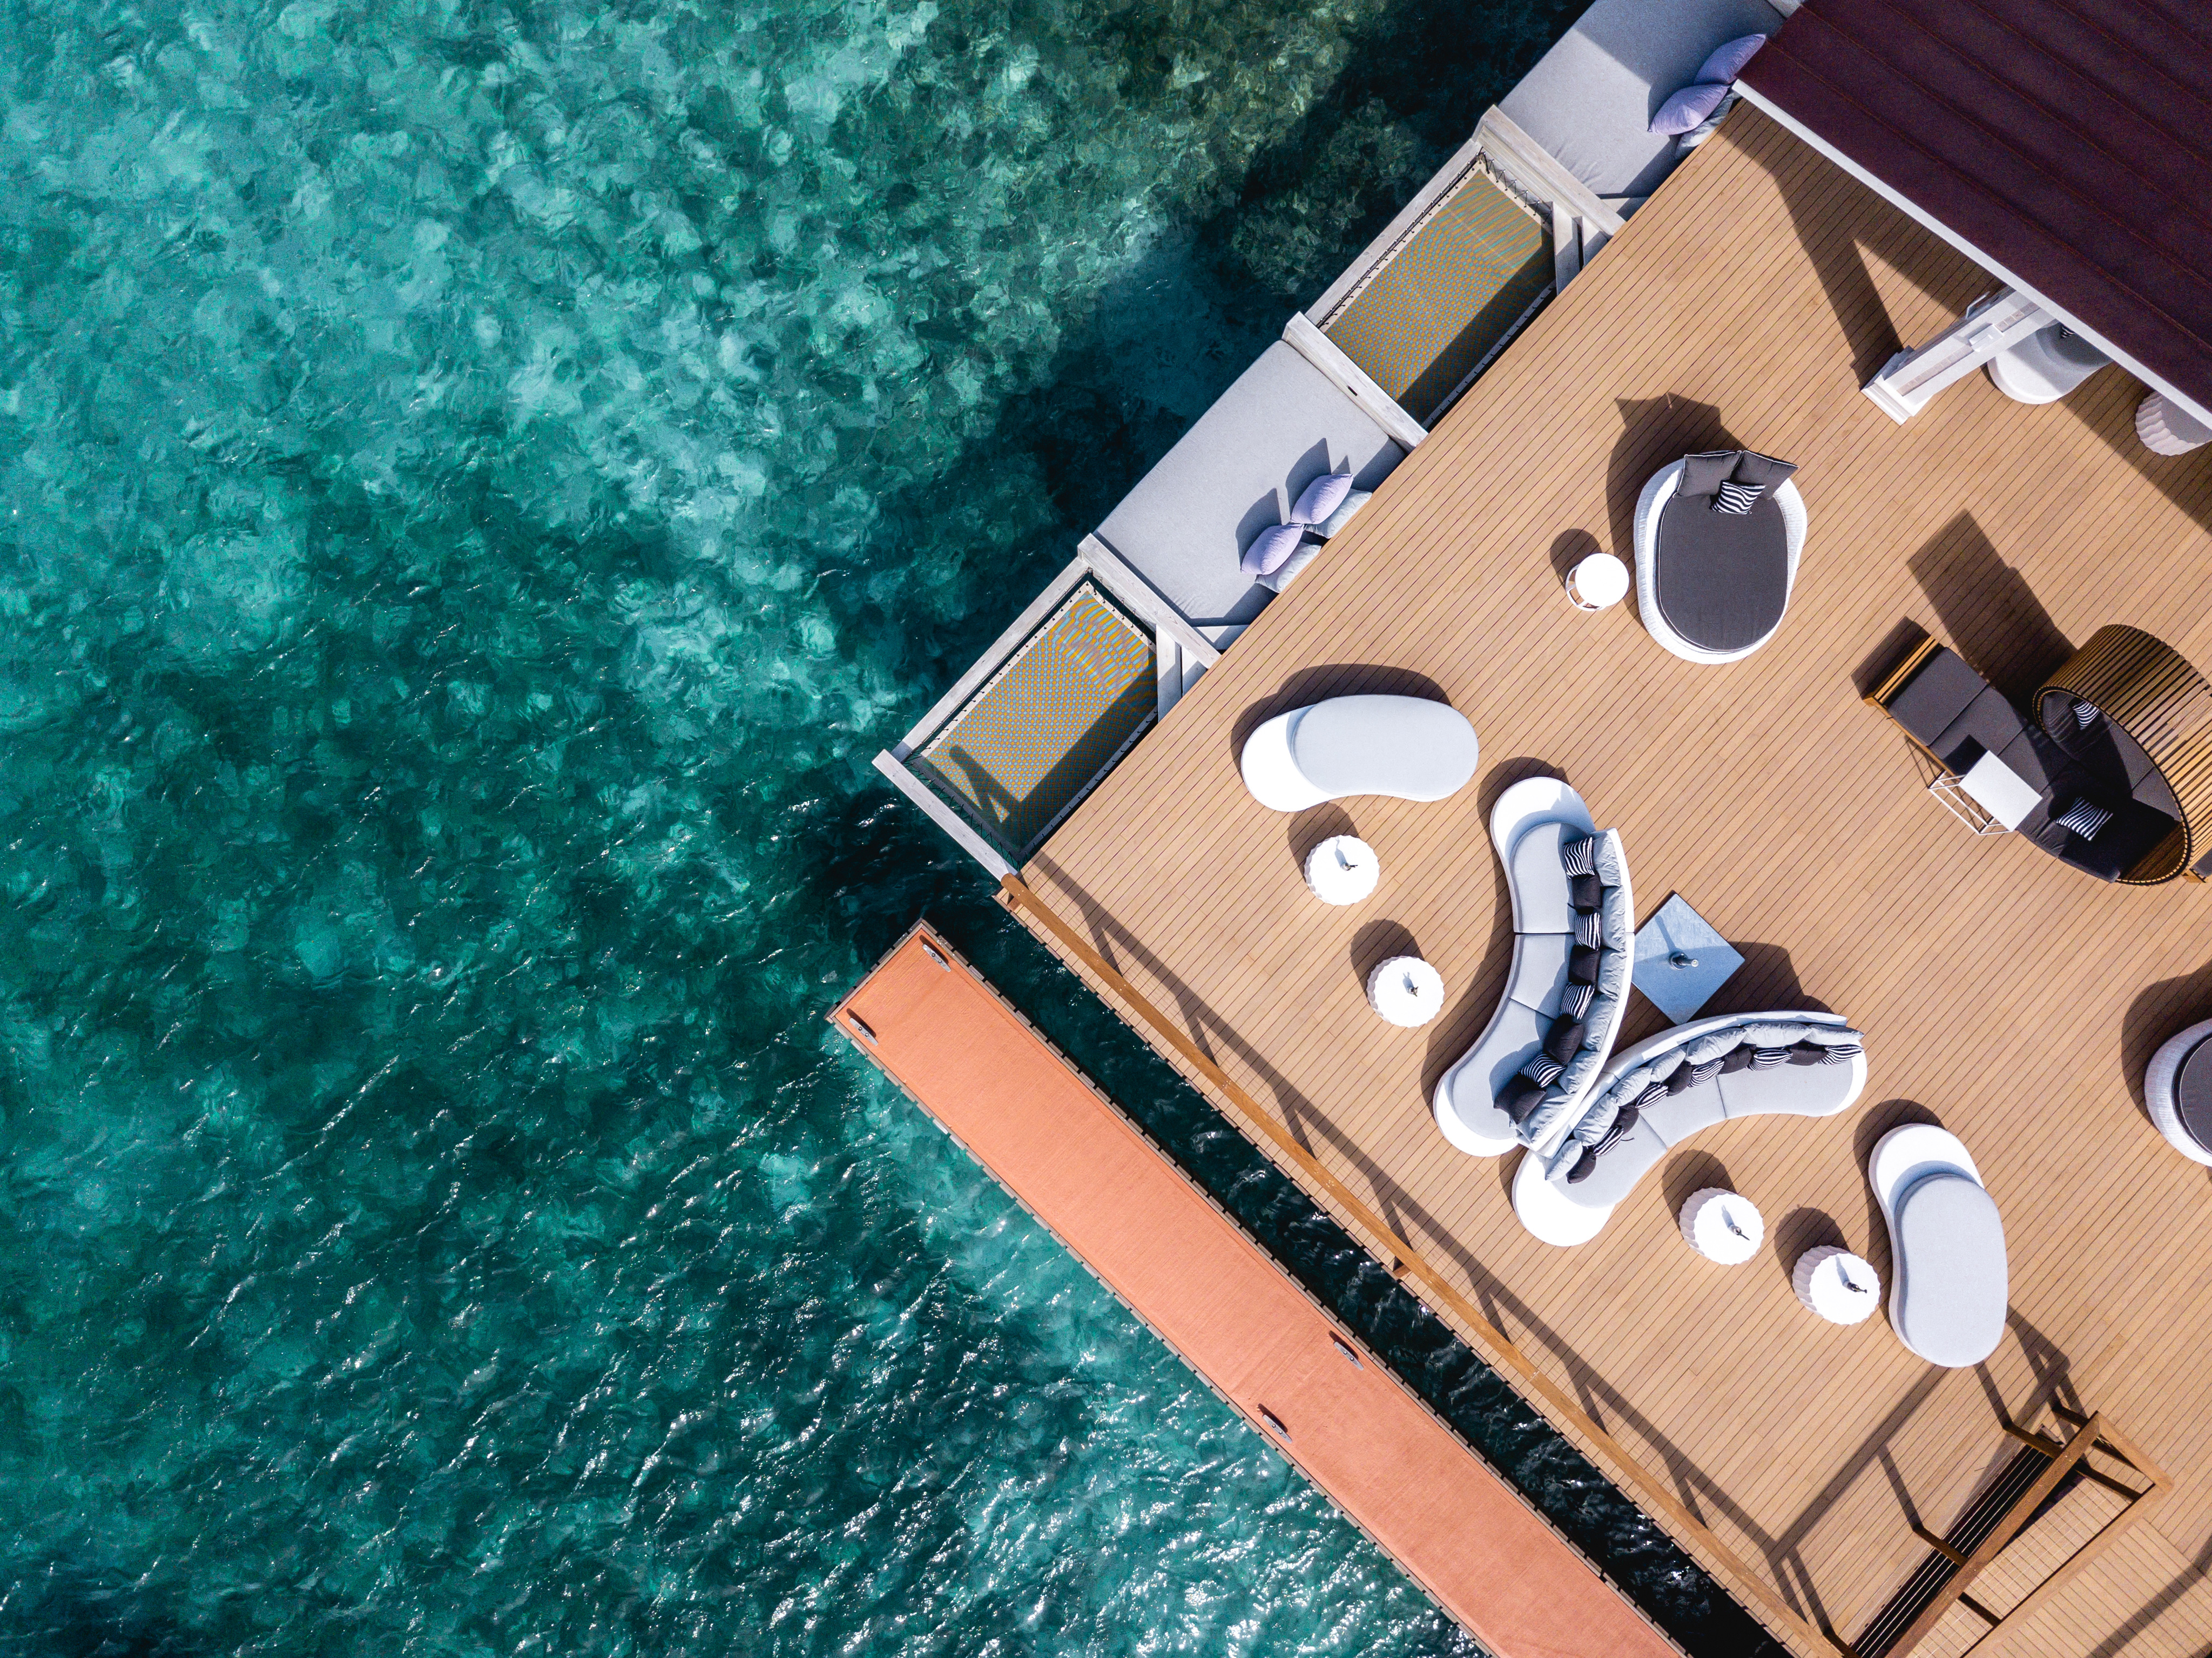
(2012, 999)
(1237, 1318)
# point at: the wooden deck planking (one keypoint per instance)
(1996, 988)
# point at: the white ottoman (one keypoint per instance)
(1342, 870)
(1837, 1285)
(1407, 991)
(1722, 1225)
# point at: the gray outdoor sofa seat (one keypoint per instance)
(1825, 1074)
(1711, 585)
(1947, 1284)
(1529, 824)
(1238, 471)
(1590, 99)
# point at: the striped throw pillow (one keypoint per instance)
(1575, 1000)
(1587, 929)
(1705, 1072)
(1766, 1058)
(1738, 499)
(1842, 1053)
(1651, 1095)
(2085, 819)
(1579, 855)
(2085, 714)
(1543, 1070)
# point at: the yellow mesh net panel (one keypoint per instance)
(1451, 293)
(1049, 721)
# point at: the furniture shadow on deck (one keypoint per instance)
(1317, 1134)
(1992, 615)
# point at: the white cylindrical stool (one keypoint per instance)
(1837, 1285)
(1722, 1225)
(1342, 870)
(1599, 580)
(2166, 430)
(1406, 990)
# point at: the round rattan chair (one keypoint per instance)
(2150, 716)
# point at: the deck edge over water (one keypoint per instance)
(1093, 1178)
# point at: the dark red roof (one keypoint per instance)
(2068, 141)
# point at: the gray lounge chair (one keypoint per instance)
(1948, 1285)
(1406, 746)
(1711, 585)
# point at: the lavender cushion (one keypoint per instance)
(1688, 108)
(1321, 498)
(1727, 61)
(1271, 549)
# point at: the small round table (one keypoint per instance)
(1721, 1225)
(1342, 870)
(1599, 580)
(1836, 1285)
(1407, 991)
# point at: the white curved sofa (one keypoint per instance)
(1527, 828)
(1947, 1284)
(1650, 604)
(1409, 747)
(1568, 1213)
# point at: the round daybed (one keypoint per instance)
(1712, 585)
(2177, 1089)
(2136, 720)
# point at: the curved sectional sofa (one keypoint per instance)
(1502, 1093)
(1658, 1093)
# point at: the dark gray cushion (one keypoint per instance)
(1762, 469)
(1565, 1041)
(1808, 1054)
(1582, 965)
(1585, 892)
(1989, 723)
(1519, 1096)
(1736, 1059)
(1702, 475)
(1935, 695)
(1722, 580)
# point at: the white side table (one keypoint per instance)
(1837, 1285)
(1342, 870)
(2000, 791)
(1407, 991)
(1721, 1225)
(1599, 580)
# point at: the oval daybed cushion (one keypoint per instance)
(1947, 1282)
(1723, 579)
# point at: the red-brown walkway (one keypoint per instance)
(1235, 1316)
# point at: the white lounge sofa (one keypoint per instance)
(1406, 746)
(1807, 1084)
(1947, 1284)
(1528, 826)
(1713, 586)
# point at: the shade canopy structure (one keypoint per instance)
(2149, 734)
(2061, 144)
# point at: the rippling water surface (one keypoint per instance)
(480, 480)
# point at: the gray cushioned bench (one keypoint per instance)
(1280, 425)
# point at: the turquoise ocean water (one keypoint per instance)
(480, 480)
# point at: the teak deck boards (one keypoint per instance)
(2009, 998)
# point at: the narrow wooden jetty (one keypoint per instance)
(1153, 1238)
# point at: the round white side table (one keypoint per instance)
(1599, 580)
(1342, 870)
(1837, 1285)
(2166, 430)
(1722, 1225)
(1407, 991)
